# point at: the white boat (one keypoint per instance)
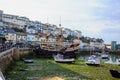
(104, 56)
(118, 62)
(111, 62)
(60, 58)
(93, 61)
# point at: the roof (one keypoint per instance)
(10, 31)
(20, 33)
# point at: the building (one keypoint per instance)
(2, 37)
(113, 45)
(66, 32)
(108, 46)
(10, 35)
(15, 19)
(78, 33)
(31, 29)
(118, 46)
(1, 13)
(21, 37)
(1, 23)
(31, 38)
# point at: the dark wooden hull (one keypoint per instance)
(115, 73)
(49, 53)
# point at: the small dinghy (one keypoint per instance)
(28, 61)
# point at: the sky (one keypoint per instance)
(94, 18)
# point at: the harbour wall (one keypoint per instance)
(11, 55)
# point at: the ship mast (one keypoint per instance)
(60, 39)
(47, 35)
(60, 27)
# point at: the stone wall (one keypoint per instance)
(10, 55)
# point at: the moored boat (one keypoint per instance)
(93, 61)
(104, 55)
(63, 59)
(115, 73)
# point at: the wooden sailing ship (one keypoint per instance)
(48, 51)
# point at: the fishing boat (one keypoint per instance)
(63, 59)
(93, 61)
(115, 73)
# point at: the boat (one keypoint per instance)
(109, 61)
(47, 50)
(28, 61)
(115, 73)
(93, 61)
(117, 62)
(104, 55)
(61, 58)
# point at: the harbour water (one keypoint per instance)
(112, 58)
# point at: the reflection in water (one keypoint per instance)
(112, 57)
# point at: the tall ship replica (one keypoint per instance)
(48, 51)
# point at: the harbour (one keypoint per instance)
(54, 40)
(41, 67)
(48, 69)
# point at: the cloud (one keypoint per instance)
(95, 18)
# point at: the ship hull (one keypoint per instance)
(42, 53)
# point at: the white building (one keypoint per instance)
(66, 32)
(10, 35)
(12, 19)
(31, 29)
(20, 37)
(78, 33)
(98, 45)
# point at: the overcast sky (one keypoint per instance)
(94, 18)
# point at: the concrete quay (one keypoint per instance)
(13, 54)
